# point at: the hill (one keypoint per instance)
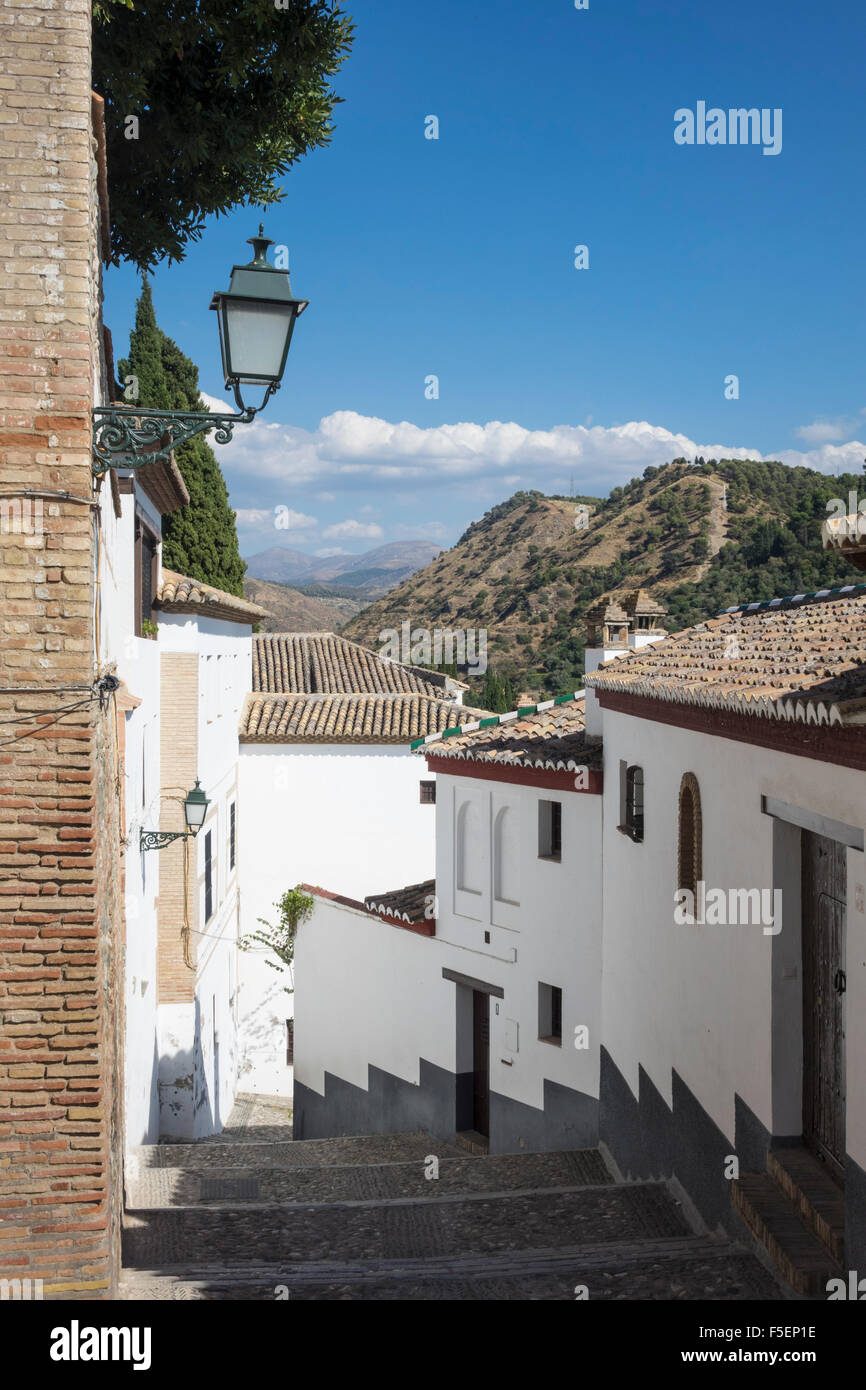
(700, 536)
(298, 610)
(372, 573)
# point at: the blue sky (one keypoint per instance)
(455, 258)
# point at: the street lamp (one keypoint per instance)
(256, 317)
(194, 812)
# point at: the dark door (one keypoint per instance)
(480, 1062)
(824, 910)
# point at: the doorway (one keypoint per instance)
(824, 895)
(481, 1063)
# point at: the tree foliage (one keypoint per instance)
(199, 540)
(294, 907)
(227, 96)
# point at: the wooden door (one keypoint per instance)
(480, 1062)
(824, 911)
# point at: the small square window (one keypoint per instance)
(550, 1014)
(428, 793)
(550, 829)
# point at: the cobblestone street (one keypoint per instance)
(249, 1213)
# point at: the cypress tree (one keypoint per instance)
(199, 540)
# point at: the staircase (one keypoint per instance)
(797, 1212)
(367, 1218)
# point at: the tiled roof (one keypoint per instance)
(321, 663)
(180, 594)
(800, 658)
(163, 482)
(373, 718)
(409, 904)
(550, 735)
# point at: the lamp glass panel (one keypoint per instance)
(257, 335)
(194, 812)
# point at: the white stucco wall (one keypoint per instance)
(200, 1040)
(136, 663)
(701, 999)
(346, 818)
(372, 993)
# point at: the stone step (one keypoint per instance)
(230, 1186)
(819, 1200)
(372, 1148)
(683, 1268)
(415, 1228)
(775, 1221)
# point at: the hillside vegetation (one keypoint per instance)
(700, 536)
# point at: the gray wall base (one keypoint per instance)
(389, 1105)
(855, 1217)
(649, 1139)
(441, 1104)
(569, 1120)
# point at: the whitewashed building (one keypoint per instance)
(734, 1044)
(470, 1007)
(181, 651)
(205, 640)
(332, 795)
(701, 935)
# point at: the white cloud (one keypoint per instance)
(353, 531)
(831, 431)
(328, 550)
(362, 451)
(285, 519)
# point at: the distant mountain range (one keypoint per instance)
(296, 610)
(369, 575)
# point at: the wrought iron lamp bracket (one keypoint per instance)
(158, 839)
(129, 436)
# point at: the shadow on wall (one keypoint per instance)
(187, 1110)
(264, 1007)
(150, 1132)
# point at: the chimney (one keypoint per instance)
(607, 637)
(646, 617)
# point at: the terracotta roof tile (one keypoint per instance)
(369, 718)
(800, 658)
(180, 594)
(321, 663)
(551, 735)
(409, 904)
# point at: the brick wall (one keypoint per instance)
(60, 854)
(178, 883)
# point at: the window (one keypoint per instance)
(550, 829)
(550, 1014)
(290, 1042)
(428, 793)
(631, 802)
(146, 544)
(689, 839)
(208, 876)
(232, 835)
